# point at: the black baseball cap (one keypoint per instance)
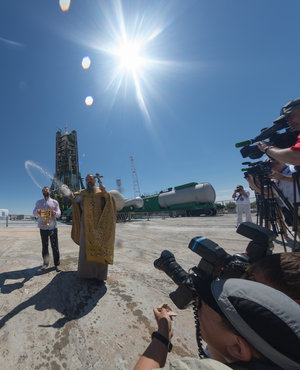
(287, 109)
(268, 319)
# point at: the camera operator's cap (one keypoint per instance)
(203, 289)
(268, 319)
(287, 109)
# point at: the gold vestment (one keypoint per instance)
(99, 225)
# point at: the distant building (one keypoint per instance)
(3, 212)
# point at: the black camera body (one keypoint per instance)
(258, 169)
(216, 263)
(280, 140)
(283, 140)
(251, 151)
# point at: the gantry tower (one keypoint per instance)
(66, 166)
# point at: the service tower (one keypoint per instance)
(66, 166)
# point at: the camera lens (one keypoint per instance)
(167, 263)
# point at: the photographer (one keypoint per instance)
(280, 271)
(281, 174)
(290, 113)
(247, 325)
(241, 197)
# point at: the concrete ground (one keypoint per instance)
(52, 320)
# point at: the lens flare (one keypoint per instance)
(86, 62)
(64, 5)
(89, 100)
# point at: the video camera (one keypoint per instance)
(215, 262)
(257, 169)
(281, 140)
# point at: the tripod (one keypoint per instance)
(296, 190)
(269, 213)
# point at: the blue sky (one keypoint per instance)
(218, 71)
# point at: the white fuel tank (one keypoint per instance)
(137, 202)
(200, 193)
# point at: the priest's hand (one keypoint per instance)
(66, 191)
(102, 187)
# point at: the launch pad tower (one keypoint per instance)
(66, 166)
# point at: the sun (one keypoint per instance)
(130, 61)
(130, 57)
(130, 45)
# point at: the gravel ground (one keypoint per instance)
(52, 320)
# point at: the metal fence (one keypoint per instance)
(7, 222)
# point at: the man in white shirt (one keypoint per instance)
(241, 196)
(47, 210)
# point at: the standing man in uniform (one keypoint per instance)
(241, 197)
(47, 210)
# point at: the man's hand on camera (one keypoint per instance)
(264, 147)
(276, 175)
(279, 176)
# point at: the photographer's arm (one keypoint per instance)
(252, 184)
(156, 354)
(279, 176)
(244, 194)
(282, 155)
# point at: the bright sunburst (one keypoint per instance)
(130, 56)
(127, 45)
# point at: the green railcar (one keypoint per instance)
(190, 199)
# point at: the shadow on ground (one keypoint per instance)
(66, 293)
(26, 275)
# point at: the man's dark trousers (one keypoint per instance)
(45, 234)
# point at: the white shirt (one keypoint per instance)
(44, 204)
(240, 199)
(287, 187)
